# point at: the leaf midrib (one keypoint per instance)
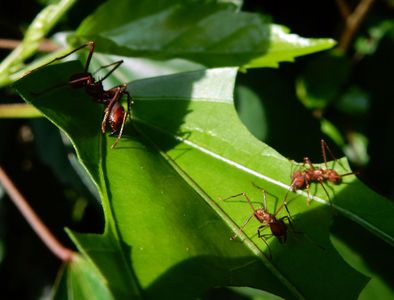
(372, 228)
(245, 239)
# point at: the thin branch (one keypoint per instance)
(343, 9)
(353, 22)
(34, 221)
(45, 46)
(19, 110)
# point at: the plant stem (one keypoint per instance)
(34, 221)
(19, 110)
(353, 21)
(45, 46)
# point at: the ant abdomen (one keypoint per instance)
(279, 230)
(116, 117)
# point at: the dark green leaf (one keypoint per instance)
(317, 87)
(213, 33)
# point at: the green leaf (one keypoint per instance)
(251, 111)
(36, 32)
(79, 279)
(213, 33)
(161, 188)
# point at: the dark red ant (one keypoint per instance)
(302, 179)
(278, 226)
(114, 113)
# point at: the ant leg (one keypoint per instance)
(289, 220)
(263, 238)
(234, 196)
(324, 146)
(308, 199)
(289, 216)
(78, 80)
(248, 219)
(127, 113)
(90, 44)
(307, 161)
(108, 109)
(241, 228)
(246, 197)
(328, 195)
(284, 203)
(264, 195)
(116, 65)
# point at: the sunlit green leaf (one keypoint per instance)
(161, 188)
(78, 279)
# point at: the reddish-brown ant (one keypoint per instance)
(278, 227)
(114, 113)
(302, 179)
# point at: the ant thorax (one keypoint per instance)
(263, 216)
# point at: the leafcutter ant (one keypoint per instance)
(114, 113)
(277, 226)
(302, 179)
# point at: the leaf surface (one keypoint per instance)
(161, 188)
(79, 279)
(213, 33)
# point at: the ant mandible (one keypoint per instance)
(114, 113)
(302, 179)
(277, 226)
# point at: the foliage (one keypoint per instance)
(185, 149)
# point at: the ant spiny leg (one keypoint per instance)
(324, 146)
(90, 44)
(262, 237)
(120, 131)
(328, 195)
(240, 229)
(234, 196)
(264, 195)
(115, 64)
(245, 196)
(289, 219)
(108, 108)
(308, 199)
(125, 114)
(286, 195)
(288, 212)
(307, 161)
(104, 121)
